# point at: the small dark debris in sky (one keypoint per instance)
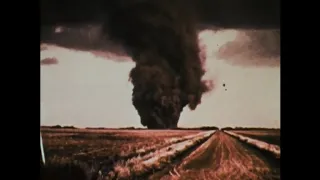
(223, 84)
(225, 89)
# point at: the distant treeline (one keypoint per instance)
(89, 128)
(95, 128)
(59, 127)
(249, 128)
(179, 128)
(103, 128)
(200, 128)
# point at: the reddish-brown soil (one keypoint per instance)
(223, 157)
(86, 144)
(268, 136)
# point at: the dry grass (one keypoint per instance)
(257, 143)
(268, 136)
(92, 144)
(259, 132)
(101, 149)
(223, 157)
(137, 166)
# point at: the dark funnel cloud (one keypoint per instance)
(160, 36)
(164, 44)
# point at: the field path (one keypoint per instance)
(224, 157)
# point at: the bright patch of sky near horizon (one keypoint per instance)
(88, 91)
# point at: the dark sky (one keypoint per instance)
(83, 21)
(218, 13)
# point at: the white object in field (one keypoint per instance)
(259, 144)
(41, 142)
(42, 150)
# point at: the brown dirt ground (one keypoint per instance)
(223, 157)
(91, 144)
(268, 136)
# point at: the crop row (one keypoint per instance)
(138, 166)
(274, 149)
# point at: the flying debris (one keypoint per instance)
(224, 85)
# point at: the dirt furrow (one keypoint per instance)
(226, 158)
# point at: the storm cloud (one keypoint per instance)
(161, 37)
(253, 48)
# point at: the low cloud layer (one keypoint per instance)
(85, 37)
(84, 28)
(249, 48)
(253, 48)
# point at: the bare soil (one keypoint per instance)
(221, 157)
(268, 136)
(83, 144)
(225, 158)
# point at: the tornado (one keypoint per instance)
(162, 40)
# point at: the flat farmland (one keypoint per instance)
(224, 157)
(90, 144)
(156, 154)
(268, 136)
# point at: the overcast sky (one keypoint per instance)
(80, 89)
